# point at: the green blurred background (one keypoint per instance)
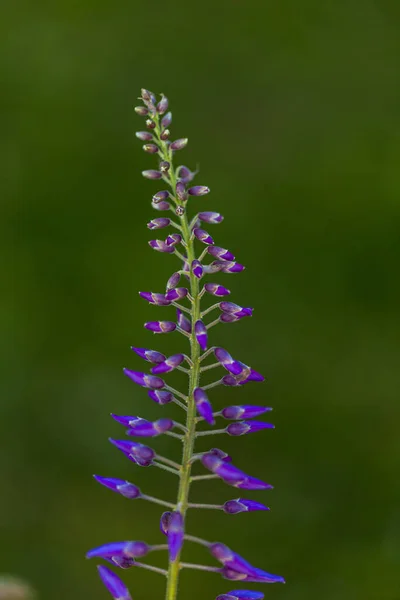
(292, 110)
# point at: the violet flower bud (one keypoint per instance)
(120, 549)
(176, 294)
(144, 428)
(241, 595)
(260, 576)
(138, 453)
(144, 136)
(183, 322)
(181, 191)
(164, 135)
(231, 267)
(121, 486)
(235, 309)
(160, 326)
(161, 205)
(199, 190)
(201, 334)
(147, 96)
(226, 360)
(203, 405)
(220, 253)
(160, 196)
(173, 239)
(150, 124)
(202, 235)
(246, 411)
(142, 111)
(233, 507)
(161, 246)
(164, 166)
(157, 299)
(231, 559)
(244, 427)
(231, 474)
(220, 454)
(175, 535)
(179, 144)
(152, 174)
(147, 381)
(166, 120)
(210, 217)
(150, 355)
(160, 396)
(173, 281)
(159, 223)
(197, 269)
(232, 318)
(113, 583)
(164, 522)
(216, 290)
(151, 148)
(185, 174)
(162, 106)
(169, 364)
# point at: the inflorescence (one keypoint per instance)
(195, 403)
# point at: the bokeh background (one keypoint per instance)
(292, 111)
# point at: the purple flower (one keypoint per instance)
(259, 577)
(201, 334)
(160, 396)
(114, 584)
(203, 405)
(151, 148)
(166, 120)
(243, 427)
(120, 549)
(161, 205)
(197, 269)
(241, 595)
(138, 453)
(210, 217)
(221, 454)
(231, 474)
(159, 223)
(121, 486)
(160, 326)
(175, 534)
(150, 355)
(173, 239)
(216, 290)
(203, 236)
(183, 322)
(246, 411)
(232, 507)
(173, 281)
(231, 365)
(160, 196)
(220, 253)
(161, 246)
(179, 144)
(169, 364)
(164, 522)
(231, 267)
(152, 174)
(176, 294)
(142, 428)
(199, 190)
(144, 136)
(162, 106)
(185, 175)
(234, 309)
(157, 299)
(148, 381)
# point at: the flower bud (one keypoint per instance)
(160, 196)
(164, 522)
(142, 111)
(175, 535)
(176, 294)
(179, 144)
(161, 246)
(169, 364)
(147, 96)
(183, 322)
(246, 411)
(160, 326)
(121, 486)
(197, 269)
(173, 239)
(150, 124)
(159, 223)
(210, 217)
(136, 452)
(162, 106)
(113, 583)
(201, 334)
(199, 190)
(235, 309)
(160, 396)
(173, 281)
(147, 381)
(164, 135)
(243, 427)
(152, 174)
(120, 549)
(154, 298)
(161, 205)
(216, 290)
(232, 507)
(181, 191)
(166, 120)
(203, 405)
(185, 174)
(164, 166)
(144, 428)
(220, 253)
(150, 355)
(144, 136)
(203, 236)
(150, 148)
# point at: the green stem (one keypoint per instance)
(194, 375)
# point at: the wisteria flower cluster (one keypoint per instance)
(184, 291)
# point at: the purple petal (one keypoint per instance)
(145, 428)
(161, 246)
(152, 174)
(232, 308)
(231, 474)
(121, 486)
(216, 290)
(232, 507)
(176, 294)
(160, 196)
(160, 396)
(244, 427)
(123, 549)
(157, 299)
(210, 217)
(203, 405)
(202, 236)
(221, 454)
(231, 365)
(220, 253)
(114, 584)
(139, 453)
(199, 190)
(241, 595)
(166, 120)
(231, 267)
(197, 269)
(150, 355)
(160, 326)
(159, 223)
(173, 239)
(161, 205)
(169, 364)
(148, 381)
(183, 322)
(164, 522)
(179, 144)
(201, 334)
(175, 535)
(246, 411)
(173, 281)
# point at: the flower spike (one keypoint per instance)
(184, 291)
